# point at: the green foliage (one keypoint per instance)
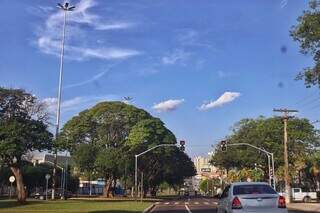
(311, 172)
(22, 126)
(84, 159)
(23, 129)
(245, 175)
(209, 185)
(114, 133)
(307, 33)
(266, 133)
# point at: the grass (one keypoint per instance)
(73, 206)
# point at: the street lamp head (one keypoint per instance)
(66, 7)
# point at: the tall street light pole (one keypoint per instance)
(66, 7)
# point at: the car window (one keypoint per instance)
(253, 189)
(225, 192)
(296, 190)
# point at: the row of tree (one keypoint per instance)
(102, 142)
(267, 133)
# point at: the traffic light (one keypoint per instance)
(182, 143)
(223, 146)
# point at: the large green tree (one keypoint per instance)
(23, 129)
(266, 133)
(106, 126)
(120, 131)
(307, 33)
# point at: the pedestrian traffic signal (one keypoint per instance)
(223, 146)
(182, 143)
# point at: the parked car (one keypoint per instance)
(298, 195)
(37, 195)
(58, 193)
(251, 197)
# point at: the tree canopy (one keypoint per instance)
(120, 131)
(23, 129)
(307, 33)
(267, 133)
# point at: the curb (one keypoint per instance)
(305, 210)
(149, 209)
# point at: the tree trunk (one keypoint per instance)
(153, 191)
(106, 189)
(21, 192)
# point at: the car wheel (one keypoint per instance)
(306, 199)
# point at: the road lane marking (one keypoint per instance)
(176, 203)
(167, 203)
(196, 203)
(206, 203)
(189, 211)
(157, 203)
(152, 210)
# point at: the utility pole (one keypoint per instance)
(285, 118)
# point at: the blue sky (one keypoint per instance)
(200, 66)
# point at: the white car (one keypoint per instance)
(251, 197)
(299, 195)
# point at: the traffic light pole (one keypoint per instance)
(136, 165)
(269, 154)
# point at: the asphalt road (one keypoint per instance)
(190, 205)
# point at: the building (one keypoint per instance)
(203, 166)
(49, 158)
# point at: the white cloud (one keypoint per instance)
(224, 74)
(49, 36)
(225, 98)
(76, 103)
(94, 78)
(191, 37)
(283, 3)
(168, 105)
(176, 56)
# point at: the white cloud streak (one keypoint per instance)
(283, 3)
(224, 74)
(225, 98)
(90, 80)
(76, 103)
(49, 36)
(176, 56)
(169, 105)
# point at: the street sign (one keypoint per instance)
(205, 169)
(48, 176)
(12, 179)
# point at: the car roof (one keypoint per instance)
(248, 183)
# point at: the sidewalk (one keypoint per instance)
(308, 207)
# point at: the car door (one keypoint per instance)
(223, 201)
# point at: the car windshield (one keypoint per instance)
(253, 189)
